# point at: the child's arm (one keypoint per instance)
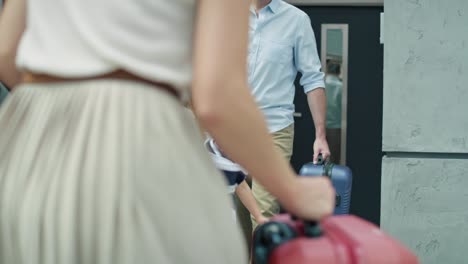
(245, 195)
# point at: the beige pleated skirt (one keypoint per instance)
(109, 172)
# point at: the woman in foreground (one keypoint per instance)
(99, 162)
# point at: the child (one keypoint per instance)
(235, 176)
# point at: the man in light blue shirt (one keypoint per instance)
(282, 43)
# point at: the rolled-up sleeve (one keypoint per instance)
(306, 57)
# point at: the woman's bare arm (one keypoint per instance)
(12, 25)
(225, 107)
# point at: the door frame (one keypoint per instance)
(337, 2)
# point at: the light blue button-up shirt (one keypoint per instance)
(282, 43)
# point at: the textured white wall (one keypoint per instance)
(425, 205)
(426, 76)
(425, 192)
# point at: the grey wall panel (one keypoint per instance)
(426, 76)
(425, 204)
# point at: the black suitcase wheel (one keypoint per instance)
(269, 236)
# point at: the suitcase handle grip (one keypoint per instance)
(327, 165)
(320, 160)
(311, 228)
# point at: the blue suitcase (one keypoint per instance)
(341, 177)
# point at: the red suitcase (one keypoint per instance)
(341, 239)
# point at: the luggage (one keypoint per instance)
(341, 177)
(342, 239)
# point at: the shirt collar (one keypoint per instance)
(274, 5)
(252, 9)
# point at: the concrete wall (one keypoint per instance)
(425, 127)
(426, 76)
(425, 204)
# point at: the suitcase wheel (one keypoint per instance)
(269, 236)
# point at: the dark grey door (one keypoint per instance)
(364, 104)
